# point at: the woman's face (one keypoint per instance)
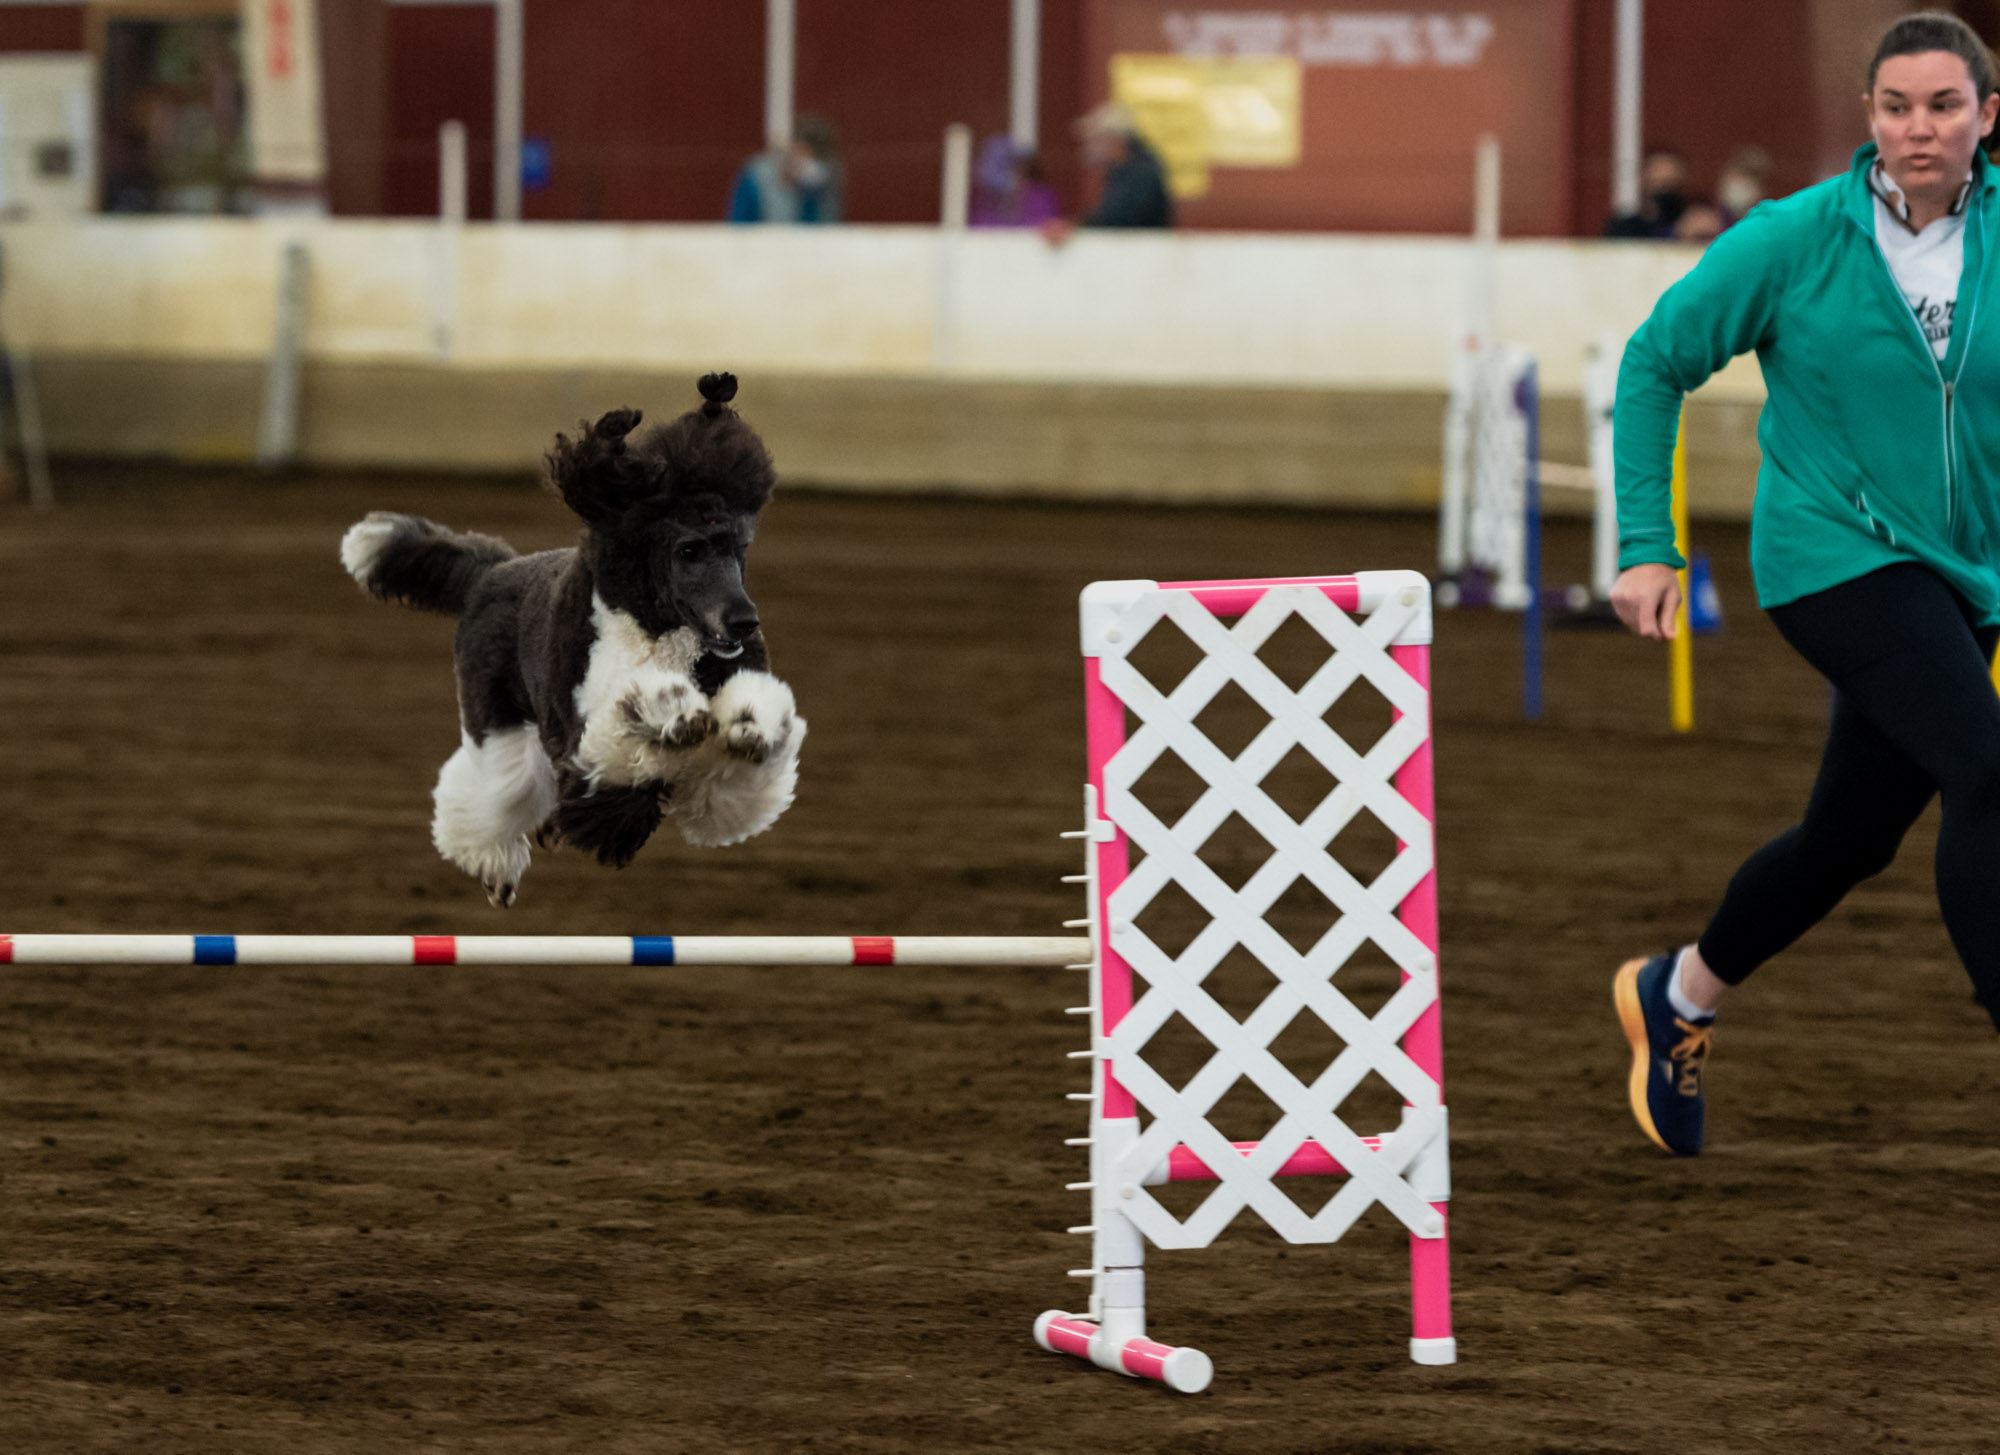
(1927, 119)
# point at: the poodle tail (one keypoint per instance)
(416, 562)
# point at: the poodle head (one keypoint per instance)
(670, 513)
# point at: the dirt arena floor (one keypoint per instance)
(391, 1210)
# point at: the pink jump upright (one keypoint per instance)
(1144, 1131)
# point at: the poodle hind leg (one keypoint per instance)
(491, 796)
(612, 823)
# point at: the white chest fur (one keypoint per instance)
(626, 661)
(731, 764)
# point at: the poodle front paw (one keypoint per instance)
(675, 715)
(758, 716)
(744, 738)
(500, 893)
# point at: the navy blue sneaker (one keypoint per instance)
(1669, 1053)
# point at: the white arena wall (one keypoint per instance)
(1175, 367)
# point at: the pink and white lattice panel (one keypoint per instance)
(1362, 621)
(1365, 636)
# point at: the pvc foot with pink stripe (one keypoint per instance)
(1183, 1370)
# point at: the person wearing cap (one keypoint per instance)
(1135, 184)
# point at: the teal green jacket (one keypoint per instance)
(1874, 451)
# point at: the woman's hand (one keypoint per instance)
(1647, 599)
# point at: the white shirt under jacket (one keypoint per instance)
(1926, 265)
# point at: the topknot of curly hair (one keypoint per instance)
(716, 392)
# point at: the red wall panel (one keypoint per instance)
(891, 75)
(648, 108)
(1066, 93)
(440, 69)
(354, 44)
(1388, 134)
(42, 28)
(1719, 75)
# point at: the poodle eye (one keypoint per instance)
(690, 550)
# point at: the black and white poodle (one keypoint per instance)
(603, 686)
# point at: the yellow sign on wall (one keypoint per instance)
(1212, 111)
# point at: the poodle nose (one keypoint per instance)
(740, 620)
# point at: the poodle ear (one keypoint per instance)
(594, 473)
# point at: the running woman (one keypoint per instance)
(1875, 536)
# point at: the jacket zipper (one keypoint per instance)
(1947, 386)
(1950, 386)
(1977, 219)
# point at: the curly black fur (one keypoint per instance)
(424, 565)
(705, 468)
(612, 823)
(707, 462)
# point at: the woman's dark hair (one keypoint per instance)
(1930, 30)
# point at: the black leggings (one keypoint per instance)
(1914, 713)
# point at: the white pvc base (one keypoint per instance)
(1187, 1371)
(1434, 1351)
(1183, 1370)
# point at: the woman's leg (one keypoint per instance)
(1915, 708)
(1867, 795)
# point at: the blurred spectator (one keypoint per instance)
(1699, 223)
(1008, 189)
(799, 182)
(1740, 186)
(1135, 184)
(1661, 200)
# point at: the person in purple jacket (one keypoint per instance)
(1008, 189)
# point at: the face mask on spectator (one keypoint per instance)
(810, 173)
(1739, 194)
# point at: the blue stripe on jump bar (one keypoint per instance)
(652, 949)
(215, 949)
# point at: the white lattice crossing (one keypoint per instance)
(1358, 649)
(1376, 631)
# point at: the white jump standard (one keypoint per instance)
(1377, 626)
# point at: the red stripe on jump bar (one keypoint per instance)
(6, 949)
(434, 949)
(873, 949)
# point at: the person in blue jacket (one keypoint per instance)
(800, 182)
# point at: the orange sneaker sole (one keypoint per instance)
(1625, 994)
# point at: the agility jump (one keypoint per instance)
(1144, 1132)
